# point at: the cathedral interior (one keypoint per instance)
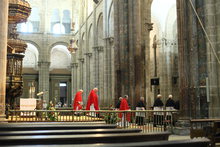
(125, 59)
(122, 47)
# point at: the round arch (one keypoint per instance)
(100, 29)
(171, 22)
(58, 43)
(90, 37)
(31, 56)
(34, 43)
(111, 21)
(60, 57)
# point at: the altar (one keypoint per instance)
(27, 104)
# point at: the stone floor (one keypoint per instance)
(182, 137)
(179, 137)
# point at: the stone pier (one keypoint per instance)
(3, 54)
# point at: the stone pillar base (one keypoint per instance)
(3, 119)
(182, 127)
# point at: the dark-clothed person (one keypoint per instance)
(170, 104)
(158, 106)
(140, 115)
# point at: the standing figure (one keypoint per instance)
(158, 106)
(170, 104)
(78, 102)
(140, 115)
(125, 117)
(92, 103)
(118, 104)
(177, 105)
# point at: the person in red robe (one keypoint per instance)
(77, 102)
(124, 106)
(92, 103)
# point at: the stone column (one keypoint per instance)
(74, 78)
(98, 82)
(130, 48)
(183, 60)
(148, 26)
(212, 26)
(44, 77)
(3, 54)
(108, 72)
(192, 60)
(72, 82)
(88, 72)
(96, 67)
(101, 75)
(82, 76)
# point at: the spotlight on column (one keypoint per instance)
(96, 1)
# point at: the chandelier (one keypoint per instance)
(73, 46)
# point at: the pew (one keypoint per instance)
(82, 139)
(201, 142)
(68, 132)
(209, 128)
(26, 127)
(215, 138)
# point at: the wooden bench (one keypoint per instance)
(209, 128)
(82, 139)
(201, 142)
(215, 138)
(26, 127)
(68, 132)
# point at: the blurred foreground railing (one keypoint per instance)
(147, 120)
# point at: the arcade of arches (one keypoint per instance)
(123, 45)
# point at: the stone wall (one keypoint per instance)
(199, 86)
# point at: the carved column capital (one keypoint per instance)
(88, 54)
(74, 65)
(95, 48)
(98, 48)
(43, 63)
(81, 60)
(149, 26)
(110, 39)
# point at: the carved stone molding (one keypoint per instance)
(88, 54)
(149, 26)
(110, 39)
(167, 42)
(43, 63)
(81, 60)
(74, 65)
(98, 48)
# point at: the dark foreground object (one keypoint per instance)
(68, 132)
(26, 127)
(82, 139)
(202, 142)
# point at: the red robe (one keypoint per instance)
(77, 101)
(124, 106)
(92, 99)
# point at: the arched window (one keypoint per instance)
(111, 21)
(25, 27)
(67, 21)
(100, 29)
(35, 19)
(58, 29)
(55, 19)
